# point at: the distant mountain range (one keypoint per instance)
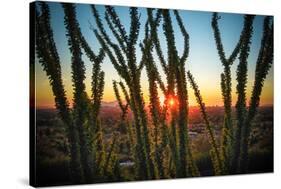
(109, 104)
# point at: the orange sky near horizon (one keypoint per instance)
(210, 92)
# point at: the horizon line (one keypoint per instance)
(192, 106)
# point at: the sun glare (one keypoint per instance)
(171, 102)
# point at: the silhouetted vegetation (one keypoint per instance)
(90, 142)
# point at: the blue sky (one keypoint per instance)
(203, 60)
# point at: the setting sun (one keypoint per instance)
(171, 102)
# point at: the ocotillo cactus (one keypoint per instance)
(215, 155)
(154, 106)
(264, 62)
(110, 156)
(84, 116)
(124, 122)
(180, 78)
(241, 89)
(80, 99)
(130, 72)
(236, 158)
(176, 81)
(93, 106)
(228, 130)
(124, 108)
(158, 114)
(49, 59)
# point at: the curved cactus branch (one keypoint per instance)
(217, 163)
(264, 62)
(49, 59)
(241, 88)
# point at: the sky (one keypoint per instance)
(203, 60)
